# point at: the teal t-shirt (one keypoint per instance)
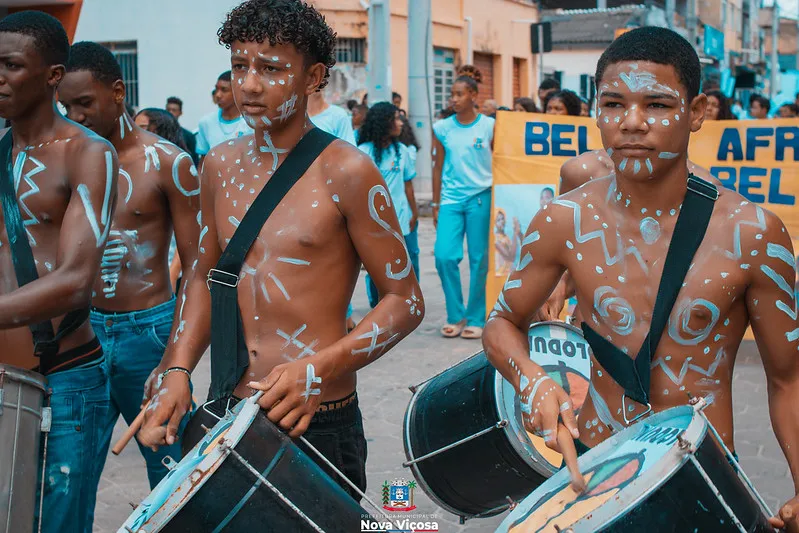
(467, 157)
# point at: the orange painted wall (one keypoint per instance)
(68, 14)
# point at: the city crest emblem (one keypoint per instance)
(398, 496)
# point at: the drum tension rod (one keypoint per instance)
(511, 505)
(229, 449)
(499, 425)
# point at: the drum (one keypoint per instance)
(465, 442)
(246, 475)
(662, 474)
(21, 411)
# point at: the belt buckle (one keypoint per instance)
(210, 279)
(636, 417)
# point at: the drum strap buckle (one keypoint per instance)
(629, 421)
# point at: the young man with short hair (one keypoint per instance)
(225, 123)
(64, 179)
(759, 107)
(547, 87)
(613, 233)
(299, 274)
(175, 106)
(133, 302)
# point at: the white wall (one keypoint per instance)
(573, 62)
(177, 46)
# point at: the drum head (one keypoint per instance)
(189, 475)
(619, 473)
(564, 354)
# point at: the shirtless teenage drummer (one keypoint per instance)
(299, 275)
(612, 234)
(133, 303)
(65, 183)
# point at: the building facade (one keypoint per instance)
(494, 35)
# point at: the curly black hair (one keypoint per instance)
(292, 22)
(94, 58)
(377, 130)
(163, 124)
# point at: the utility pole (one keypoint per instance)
(690, 21)
(420, 89)
(670, 5)
(379, 66)
(775, 44)
(724, 10)
(601, 4)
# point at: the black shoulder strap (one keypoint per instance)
(634, 375)
(45, 343)
(229, 357)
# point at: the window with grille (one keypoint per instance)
(127, 56)
(443, 77)
(350, 50)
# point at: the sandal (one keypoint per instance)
(472, 332)
(451, 331)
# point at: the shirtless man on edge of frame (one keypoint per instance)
(612, 234)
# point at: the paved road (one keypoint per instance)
(384, 394)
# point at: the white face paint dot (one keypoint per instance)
(650, 120)
(599, 269)
(579, 256)
(665, 122)
(677, 117)
(549, 219)
(315, 204)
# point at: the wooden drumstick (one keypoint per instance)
(566, 444)
(130, 432)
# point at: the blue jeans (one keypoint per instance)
(471, 218)
(412, 243)
(134, 343)
(80, 403)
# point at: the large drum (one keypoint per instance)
(21, 409)
(663, 474)
(246, 475)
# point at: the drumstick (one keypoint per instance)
(130, 432)
(566, 444)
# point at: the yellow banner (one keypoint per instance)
(757, 158)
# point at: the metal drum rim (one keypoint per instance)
(565, 325)
(409, 453)
(22, 375)
(638, 490)
(209, 464)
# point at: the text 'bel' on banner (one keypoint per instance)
(757, 158)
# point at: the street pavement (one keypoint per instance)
(384, 395)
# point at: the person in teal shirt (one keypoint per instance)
(462, 204)
(379, 139)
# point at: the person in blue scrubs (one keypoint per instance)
(379, 139)
(462, 204)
